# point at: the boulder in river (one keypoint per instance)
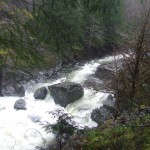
(92, 82)
(20, 91)
(66, 92)
(34, 118)
(20, 104)
(104, 74)
(40, 93)
(109, 101)
(14, 90)
(99, 115)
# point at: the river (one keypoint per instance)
(21, 130)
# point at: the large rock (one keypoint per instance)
(104, 74)
(9, 90)
(92, 82)
(40, 93)
(14, 90)
(100, 80)
(99, 115)
(109, 101)
(34, 118)
(20, 104)
(66, 93)
(20, 91)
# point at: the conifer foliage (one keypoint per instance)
(59, 26)
(68, 25)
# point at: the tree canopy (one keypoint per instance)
(58, 26)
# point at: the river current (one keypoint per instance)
(21, 130)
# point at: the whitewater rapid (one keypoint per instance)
(21, 130)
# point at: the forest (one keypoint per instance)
(49, 41)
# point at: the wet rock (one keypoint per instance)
(98, 84)
(8, 90)
(66, 93)
(101, 80)
(20, 104)
(20, 91)
(99, 115)
(109, 101)
(41, 148)
(104, 74)
(16, 76)
(40, 93)
(94, 83)
(35, 119)
(14, 90)
(110, 65)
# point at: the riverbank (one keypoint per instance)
(14, 78)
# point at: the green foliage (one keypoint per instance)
(57, 26)
(64, 124)
(64, 25)
(16, 42)
(64, 127)
(100, 6)
(120, 137)
(132, 80)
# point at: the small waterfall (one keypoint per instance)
(21, 130)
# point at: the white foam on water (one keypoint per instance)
(19, 132)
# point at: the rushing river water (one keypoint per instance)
(21, 130)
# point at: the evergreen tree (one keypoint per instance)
(62, 26)
(63, 129)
